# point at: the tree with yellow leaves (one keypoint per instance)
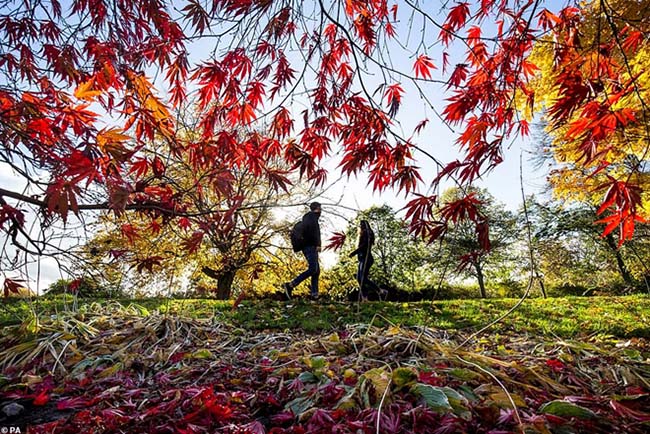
(593, 86)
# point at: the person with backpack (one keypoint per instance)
(305, 237)
(366, 239)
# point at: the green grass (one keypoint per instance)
(564, 317)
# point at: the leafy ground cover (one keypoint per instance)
(565, 317)
(110, 368)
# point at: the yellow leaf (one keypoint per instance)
(203, 353)
(380, 379)
(84, 91)
(111, 136)
(110, 371)
(501, 399)
(393, 331)
(31, 380)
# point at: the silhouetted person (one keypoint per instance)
(311, 248)
(364, 255)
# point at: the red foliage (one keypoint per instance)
(12, 286)
(336, 241)
(57, 85)
(423, 66)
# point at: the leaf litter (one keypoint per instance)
(115, 369)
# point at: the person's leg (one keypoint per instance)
(364, 271)
(359, 275)
(311, 255)
(314, 268)
(362, 275)
(313, 290)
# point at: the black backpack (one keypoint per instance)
(297, 236)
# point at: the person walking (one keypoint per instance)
(366, 239)
(311, 246)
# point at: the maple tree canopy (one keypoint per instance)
(90, 93)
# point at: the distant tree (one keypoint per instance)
(461, 244)
(83, 287)
(225, 239)
(573, 249)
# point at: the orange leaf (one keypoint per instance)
(84, 91)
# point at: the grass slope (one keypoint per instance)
(566, 317)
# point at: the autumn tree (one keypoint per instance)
(79, 106)
(574, 252)
(223, 239)
(460, 241)
(592, 84)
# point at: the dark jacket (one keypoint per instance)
(311, 229)
(366, 241)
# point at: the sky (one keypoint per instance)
(350, 194)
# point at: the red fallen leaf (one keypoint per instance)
(430, 378)
(555, 364)
(624, 411)
(557, 420)
(42, 398)
(321, 421)
(72, 403)
(282, 418)
(177, 357)
(254, 428)
(635, 390)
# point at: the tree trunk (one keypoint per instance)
(224, 284)
(224, 281)
(540, 279)
(620, 263)
(481, 280)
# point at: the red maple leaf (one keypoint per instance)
(393, 96)
(336, 241)
(423, 66)
(12, 286)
